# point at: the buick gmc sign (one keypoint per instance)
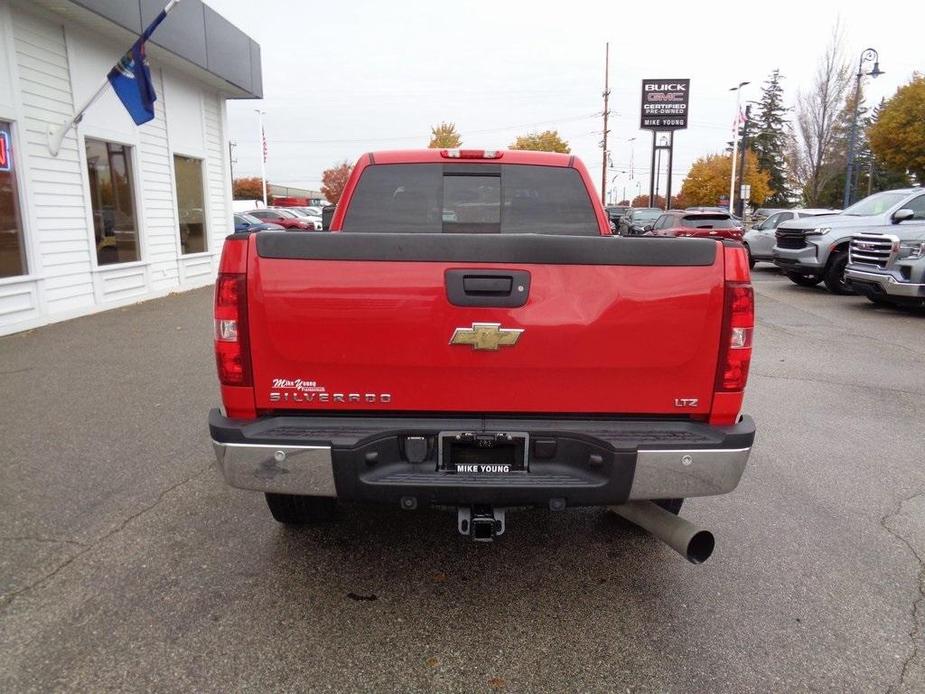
(664, 104)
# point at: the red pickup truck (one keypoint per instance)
(471, 335)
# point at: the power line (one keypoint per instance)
(419, 136)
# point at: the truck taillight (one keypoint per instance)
(736, 341)
(231, 350)
(471, 153)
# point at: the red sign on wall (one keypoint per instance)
(5, 163)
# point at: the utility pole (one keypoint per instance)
(606, 113)
(262, 140)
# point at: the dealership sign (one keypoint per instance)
(664, 104)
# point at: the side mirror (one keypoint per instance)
(648, 227)
(902, 215)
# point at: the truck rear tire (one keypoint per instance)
(804, 280)
(834, 276)
(670, 505)
(290, 509)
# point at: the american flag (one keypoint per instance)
(739, 120)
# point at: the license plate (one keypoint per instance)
(483, 453)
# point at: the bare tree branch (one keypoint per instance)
(817, 156)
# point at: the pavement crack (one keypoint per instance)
(823, 381)
(7, 599)
(915, 631)
(49, 540)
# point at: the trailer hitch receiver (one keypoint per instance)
(481, 523)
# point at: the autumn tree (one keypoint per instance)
(708, 180)
(875, 173)
(444, 136)
(546, 141)
(898, 135)
(771, 139)
(816, 157)
(333, 181)
(677, 202)
(248, 189)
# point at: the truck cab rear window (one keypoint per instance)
(471, 199)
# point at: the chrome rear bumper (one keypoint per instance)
(309, 470)
(282, 469)
(675, 474)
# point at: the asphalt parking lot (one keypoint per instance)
(126, 564)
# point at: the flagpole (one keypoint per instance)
(56, 135)
(261, 141)
(735, 144)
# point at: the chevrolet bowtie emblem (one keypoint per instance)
(486, 336)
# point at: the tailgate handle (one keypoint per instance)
(480, 285)
(490, 288)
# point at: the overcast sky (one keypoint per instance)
(344, 78)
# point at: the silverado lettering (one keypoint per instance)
(369, 398)
(483, 292)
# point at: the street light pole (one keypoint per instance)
(740, 209)
(735, 144)
(867, 55)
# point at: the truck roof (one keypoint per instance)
(435, 156)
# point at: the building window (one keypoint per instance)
(12, 248)
(112, 197)
(190, 207)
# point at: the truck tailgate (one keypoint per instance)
(365, 322)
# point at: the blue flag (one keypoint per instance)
(131, 79)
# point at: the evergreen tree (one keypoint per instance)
(771, 138)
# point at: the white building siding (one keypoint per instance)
(220, 218)
(158, 196)
(46, 68)
(56, 204)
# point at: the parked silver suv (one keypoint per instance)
(759, 240)
(889, 268)
(816, 250)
